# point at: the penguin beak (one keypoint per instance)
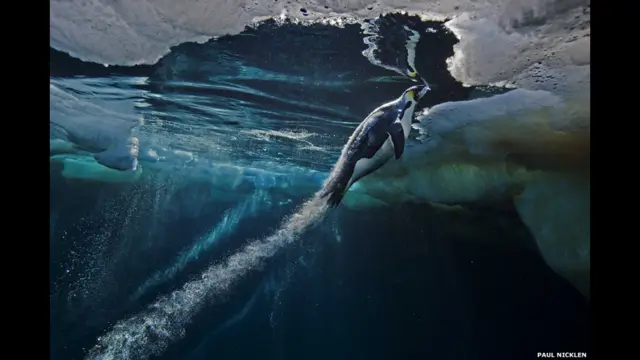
(422, 92)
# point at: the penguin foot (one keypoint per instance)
(334, 198)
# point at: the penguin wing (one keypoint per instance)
(397, 137)
(397, 132)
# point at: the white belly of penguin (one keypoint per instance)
(386, 152)
(364, 166)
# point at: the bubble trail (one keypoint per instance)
(371, 30)
(229, 223)
(151, 331)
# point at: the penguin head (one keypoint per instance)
(415, 92)
(413, 75)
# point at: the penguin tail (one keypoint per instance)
(335, 188)
(334, 198)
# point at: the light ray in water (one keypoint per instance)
(151, 331)
(229, 223)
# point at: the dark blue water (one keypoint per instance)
(412, 282)
(408, 283)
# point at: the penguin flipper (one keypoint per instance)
(397, 137)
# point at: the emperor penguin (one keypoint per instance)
(380, 136)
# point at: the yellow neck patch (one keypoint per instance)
(411, 94)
